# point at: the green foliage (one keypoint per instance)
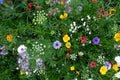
(38, 24)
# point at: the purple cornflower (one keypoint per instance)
(57, 44)
(96, 40)
(107, 65)
(1, 1)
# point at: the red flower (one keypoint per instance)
(100, 10)
(83, 39)
(30, 4)
(106, 13)
(93, 64)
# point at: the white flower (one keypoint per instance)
(117, 59)
(88, 17)
(117, 75)
(22, 49)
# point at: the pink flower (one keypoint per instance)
(93, 64)
(83, 39)
(100, 10)
(30, 4)
(106, 13)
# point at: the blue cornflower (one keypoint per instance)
(96, 40)
(1, 1)
(57, 44)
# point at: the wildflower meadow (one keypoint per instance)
(59, 39)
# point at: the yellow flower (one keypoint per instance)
(61, 16)
(62, 3)
(66, 38)
(112, 11)
(9, 37)
(65, 15)
(103, 70)
(72, 68)
(117, 37)
(68, 45)
(21, 72)
(77, 72)
(115, 67)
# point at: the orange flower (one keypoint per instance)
(115, 67)
(9, 38)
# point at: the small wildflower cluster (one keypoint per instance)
(40, 67)
(38, 48)
(73, 27)
(66, 39)
(53, 11)
(23, 59)
(40, 17)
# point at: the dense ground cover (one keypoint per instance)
(59, 39)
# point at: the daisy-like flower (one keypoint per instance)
(112, 11)
(22, 49)
(57, 44)
(96, 40)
